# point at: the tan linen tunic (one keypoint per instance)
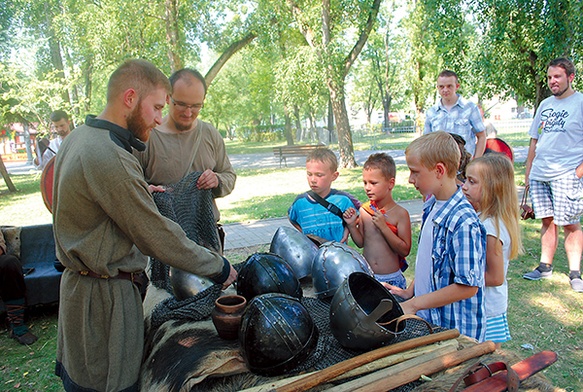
(169, 157)
(105, 220)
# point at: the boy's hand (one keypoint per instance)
(379, 220)
(395, 290)
(350, 216)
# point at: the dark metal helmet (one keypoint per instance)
(267, 273)
(295, 248)
(186, 284)
(277, 334)
(333, 263)
(362, 313)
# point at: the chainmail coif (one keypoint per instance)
(191, 208)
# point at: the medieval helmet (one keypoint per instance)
(363, 313)
(267, 273)
(295, 248)
(333, 263)
(186, 284)
(277, 334)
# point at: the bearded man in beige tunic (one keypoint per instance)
(105, 221)
(183, 143)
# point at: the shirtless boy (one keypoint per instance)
(383, 227)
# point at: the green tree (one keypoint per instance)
(325, 26)
(423, 59)
(519, 37)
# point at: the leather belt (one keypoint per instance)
(482, 371)
(131, 276)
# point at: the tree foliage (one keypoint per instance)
(270, 63)
(519, 38)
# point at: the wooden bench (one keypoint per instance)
(284, 152)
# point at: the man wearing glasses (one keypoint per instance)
(183, 144)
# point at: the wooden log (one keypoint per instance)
(6, 176)
(443, 347)
(333, 371)
(408, 371)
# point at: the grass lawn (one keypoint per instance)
(544, 315)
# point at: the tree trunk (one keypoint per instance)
(226, 55)
(287, 130)
(6, 176)
(26, 131)
(55, 50)
(173, 34)
(345, 146)
(330, 121)
(386, 109)
(313, 129)
(88, 77)
(299, 128)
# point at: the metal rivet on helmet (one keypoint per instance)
(361, 313)
(267, 273)
(333, 263)
(277, 334)
(295, 248)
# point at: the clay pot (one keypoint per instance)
(227, 315)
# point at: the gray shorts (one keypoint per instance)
(561, 199)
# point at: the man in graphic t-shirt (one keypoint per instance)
(554, 168)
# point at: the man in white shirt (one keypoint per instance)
(554, 171)
(454, 114)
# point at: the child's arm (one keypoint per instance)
(400, 243)
(494, 261)
(352, 222)
(445, 296)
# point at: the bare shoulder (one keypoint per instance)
(401, 212)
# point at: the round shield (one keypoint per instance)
(295, 248)
(499, 145)
(46, 183)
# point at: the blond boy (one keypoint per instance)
(307, 214)
(383, 227)
(451, 257)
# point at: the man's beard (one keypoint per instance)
(182, 126)
(561, 92)
(136, 124)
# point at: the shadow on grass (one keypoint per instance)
(546, 314)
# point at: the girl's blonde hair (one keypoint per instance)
(499, 196)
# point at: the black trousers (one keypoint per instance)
(11, 279)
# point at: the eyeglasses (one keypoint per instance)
(183, 106)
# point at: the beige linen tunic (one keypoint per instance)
(169, 157)
(105, 220)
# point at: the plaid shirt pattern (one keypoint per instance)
(464, 119)
(458, 256)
